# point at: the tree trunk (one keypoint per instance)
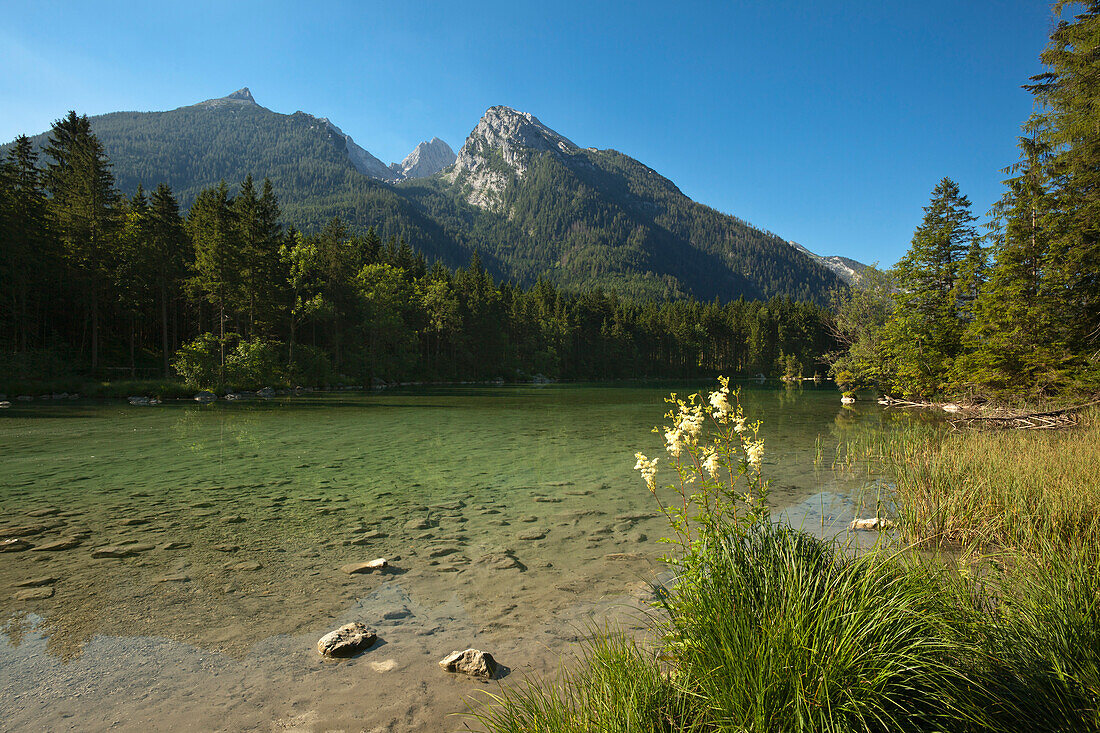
(164, 326)
(221, 341)
(95, 328)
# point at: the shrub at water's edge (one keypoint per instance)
(766, 628)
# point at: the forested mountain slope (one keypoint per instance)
(532, 203)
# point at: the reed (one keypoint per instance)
(1009, 488)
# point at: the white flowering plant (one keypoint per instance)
(716, 456)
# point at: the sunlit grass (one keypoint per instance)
(1006, 488)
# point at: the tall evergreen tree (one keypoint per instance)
(83, 210)
(1069, 93)
(218, 256)
(29, 260)
(170, 245)
(926, 335)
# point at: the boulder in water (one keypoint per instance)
(346, 640)
(472, 662)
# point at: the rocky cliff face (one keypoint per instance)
(363, 161)
(427, 159)
(498, 149)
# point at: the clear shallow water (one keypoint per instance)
(512, 514)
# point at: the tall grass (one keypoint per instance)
(1010, 488)
(617, 687)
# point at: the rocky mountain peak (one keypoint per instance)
(514, 136)
(426, 159)
(847, 269)
(508, 129)
(241, 95)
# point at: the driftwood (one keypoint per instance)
(1067, 417)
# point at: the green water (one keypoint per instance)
(497, 506)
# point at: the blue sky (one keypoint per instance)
(827, 123)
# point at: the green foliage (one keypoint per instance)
(199, 362)
(256, 363)
(153, 282)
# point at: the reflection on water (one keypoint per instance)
(499, 506)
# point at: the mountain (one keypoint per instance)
(598, 217)
(318, 171)
(530, 201)
(847, 269)
(428, 158)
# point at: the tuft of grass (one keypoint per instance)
(616, 687)
(786, 632)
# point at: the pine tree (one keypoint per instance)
(218, 256)
(1070, 95)
(925, 336)
(83, 209)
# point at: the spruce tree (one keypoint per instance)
(925, 336)
(218, 257)
(1070, 96)
(170, 245)
(83, 210)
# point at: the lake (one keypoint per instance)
(511, 515)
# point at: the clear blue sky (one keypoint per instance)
(827, 123)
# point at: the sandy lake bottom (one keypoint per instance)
(511, 517)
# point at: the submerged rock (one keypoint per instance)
(36, 582)
(502, 561)
(34, 594)
(358, 568)
(25, 530)
(205, 396)
(472, 662)
(247, 566)
(346, 640)
(118, 551)
(14, 545)
(67, 543)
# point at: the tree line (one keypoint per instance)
(1017, 311)
(226, 294)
